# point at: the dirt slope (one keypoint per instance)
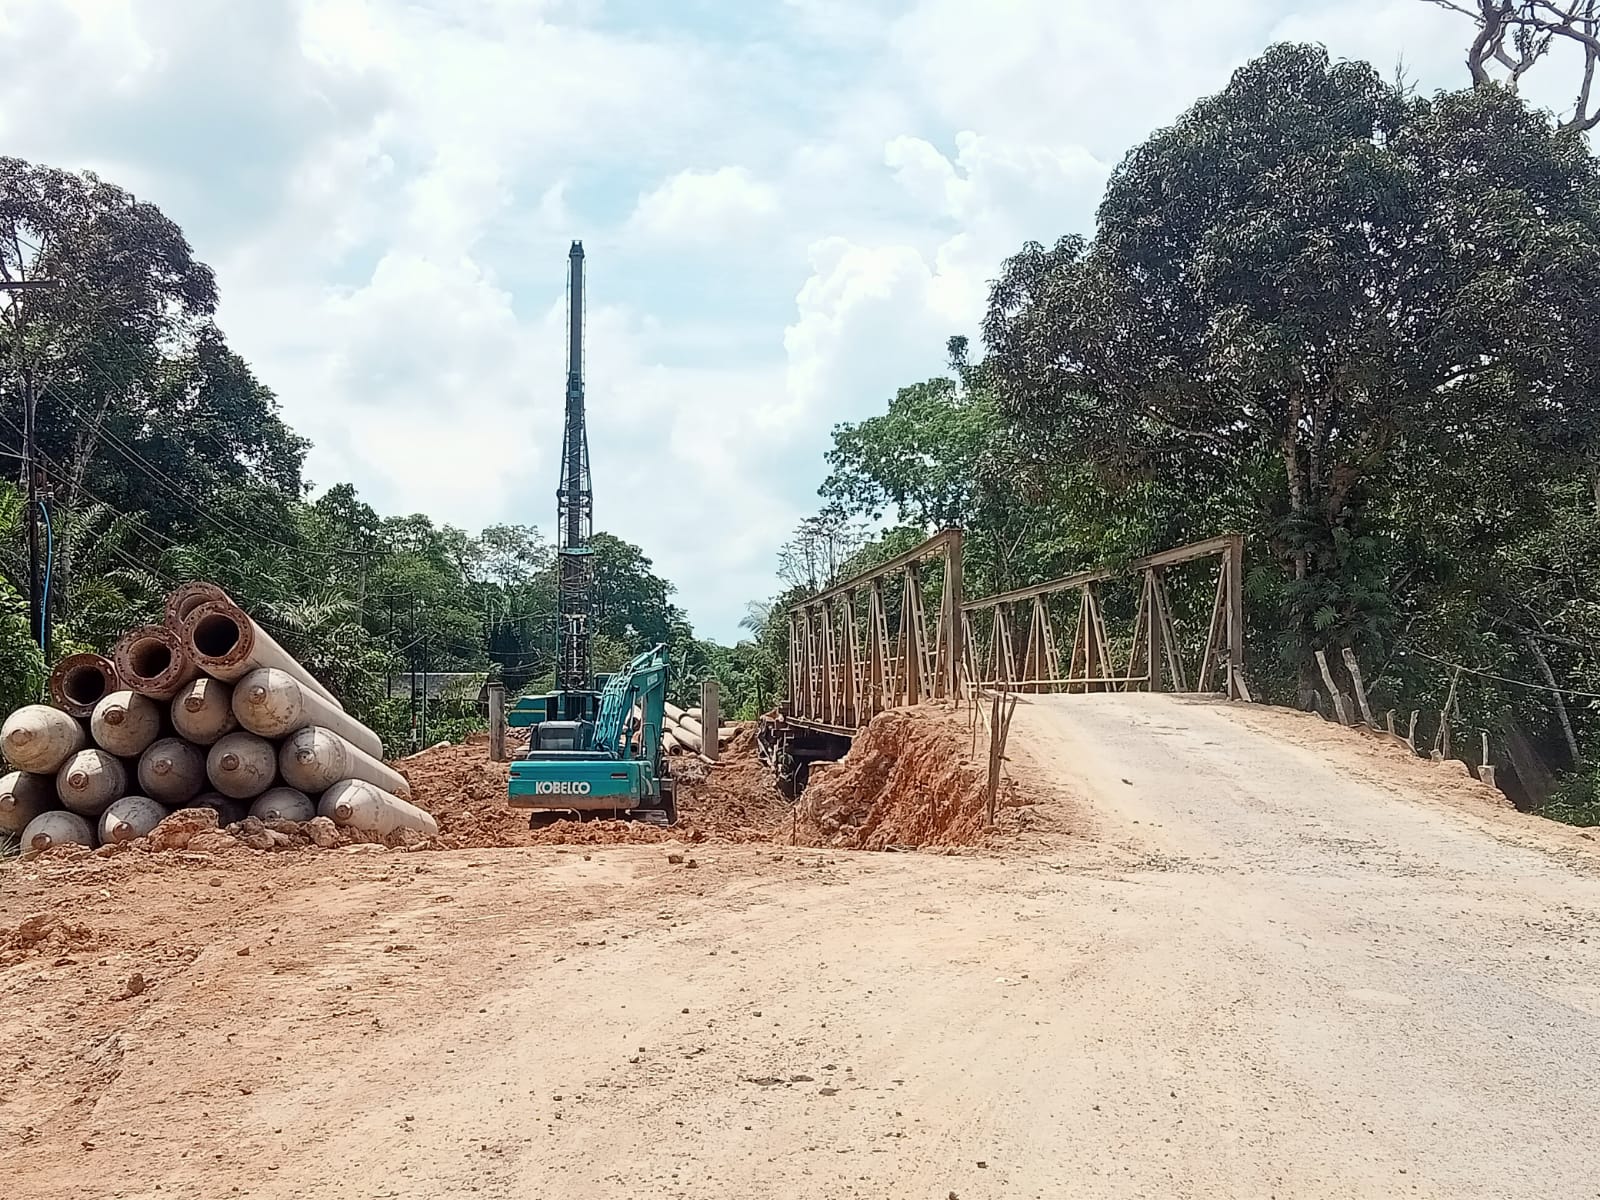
(1262, 960)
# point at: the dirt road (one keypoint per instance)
(1249, 968)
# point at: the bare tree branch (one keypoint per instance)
(1514, 35)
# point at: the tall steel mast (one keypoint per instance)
(574, 507)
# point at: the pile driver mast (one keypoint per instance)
(574, 518)
(594, 743)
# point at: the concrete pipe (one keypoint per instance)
(203, 711)
(154, 662)
(22, 798)
(229, 812)
(241, 766)
(190, 596)
(78, 682)
(39, 738)
(283, 804)
(57, 829)
(172, 772)
(316, 758)
(90, 780)
(130, 817)
(274, 704)
(125, 723)
(228, 644)
(357, 804)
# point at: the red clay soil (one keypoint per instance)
(736, 800)
(907, 781)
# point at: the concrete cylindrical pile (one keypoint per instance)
(172, 771)
(229, 645)
(359, 805)
(681, 731)
(273, 703)
(202, 711)
(22, 798)
(78, 682)
(283, 804)
(154, 662)
(241, 766)
(38, 739)
(314, 759)
(89, 781)
(125, 723)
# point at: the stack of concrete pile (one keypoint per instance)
(681, 732)
(202, 711)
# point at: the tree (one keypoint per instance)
(1311, 280)
(631, 605)
(820, 547)
(1513, 35)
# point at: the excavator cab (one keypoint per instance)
(610, 767)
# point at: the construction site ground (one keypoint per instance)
(1214, 951)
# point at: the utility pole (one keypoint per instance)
(30, 468)
(38, 619)
(411, 653)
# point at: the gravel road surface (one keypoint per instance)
(1239, 956)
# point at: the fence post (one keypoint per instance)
(497, 722)
(710, 720)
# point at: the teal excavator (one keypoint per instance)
(594, 743)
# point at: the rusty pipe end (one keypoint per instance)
(41, 841)
(342, 811)
(189, 597)
(160, 766)
(258, 695)
(219, 634)
(193, 703)
(114, 715)
(229, 762)
(80, 681)
(77, 781)
(153, 661)
(19, 737)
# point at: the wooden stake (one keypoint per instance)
(497, 722)
(1351, 665)
(1441, 740)
(1333, 689)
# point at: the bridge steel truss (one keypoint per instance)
(846, 665)
(1155, 660)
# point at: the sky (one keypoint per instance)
(788, 207)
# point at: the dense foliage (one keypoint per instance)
(165, 459)
(1355, 324)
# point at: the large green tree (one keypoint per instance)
(1310, 292)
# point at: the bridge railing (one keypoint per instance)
(869, 643)
(1023, 652)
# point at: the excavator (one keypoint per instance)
(594, 743)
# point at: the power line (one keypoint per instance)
(1532, 687)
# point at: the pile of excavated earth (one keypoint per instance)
(201, 735)
(909, 782)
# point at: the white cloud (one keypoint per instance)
(705, 205)
(387, 189)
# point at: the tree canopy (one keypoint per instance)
(1348, 320)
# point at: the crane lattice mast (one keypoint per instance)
(574, 507)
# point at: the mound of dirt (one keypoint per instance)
(466, 793)
(736, 800)
(44, 934)
(907, 781)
